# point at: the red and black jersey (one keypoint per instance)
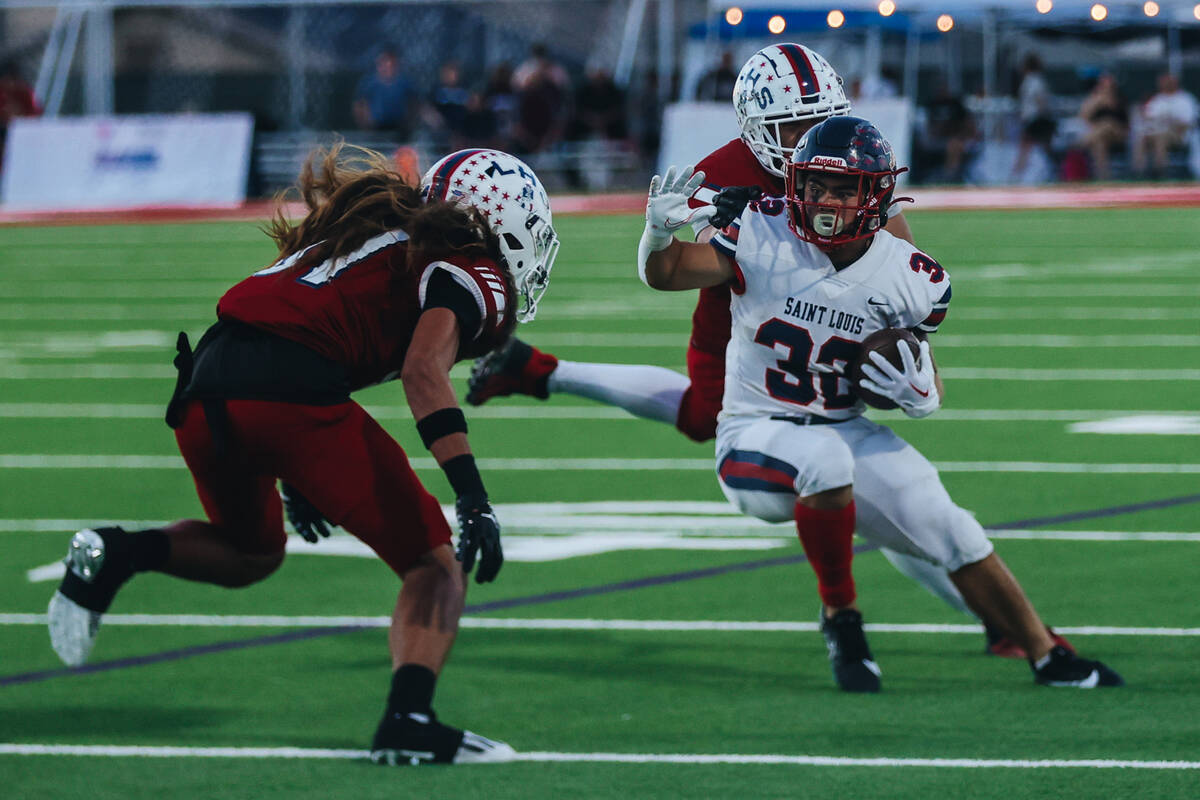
(360, 310)
(732, 164)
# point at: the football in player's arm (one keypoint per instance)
(805, 90)
(812, 275)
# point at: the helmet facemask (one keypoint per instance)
(764, 137)
(530, 258)
(830, 224)
(508, 194)
(781, 84)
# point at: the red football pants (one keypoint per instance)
(336, 456)
(702, 400)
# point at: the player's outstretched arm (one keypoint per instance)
(443, 429)
(664, 262)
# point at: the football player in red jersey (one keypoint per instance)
(379, 280)
(781, 92)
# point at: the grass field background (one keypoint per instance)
(1059, 319)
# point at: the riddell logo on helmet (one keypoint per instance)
(827, 161)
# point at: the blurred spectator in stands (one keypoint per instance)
(648, 120)
(1037, 122)
(950, 129)
(1167, 121)
(542, 88)
(877, 87)
(16, 100)
(717, 84)
(599, 127)
(447, 107)
(501, 100)
(1106, 116)
(539, 66)
(599, 108)
(384, 96)
(479, 127)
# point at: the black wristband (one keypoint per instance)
(442, 422)
(463, 475)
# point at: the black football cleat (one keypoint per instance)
(512, 368)
(854, 668)
(96, 568)
(416, 738)
(1061, 667)
(1001, 645)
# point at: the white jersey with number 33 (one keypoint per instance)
(792, 312)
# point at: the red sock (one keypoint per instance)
(536, 374)
(826, 535)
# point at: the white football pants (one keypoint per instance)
(899, 497)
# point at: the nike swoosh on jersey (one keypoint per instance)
(874, 302)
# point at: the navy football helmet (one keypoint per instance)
(841, 146)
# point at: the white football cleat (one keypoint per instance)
(418, 738)
(73, 627)
(476, 749)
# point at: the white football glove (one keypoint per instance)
(914, 389)
(667, 211)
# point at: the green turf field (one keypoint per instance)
(1064, 324)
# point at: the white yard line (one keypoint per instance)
(126, 461)
(572, 412)
(1100, 313)
(108, 371)
(201, 311)
(83, 345)
(258, 753)
(571, 624)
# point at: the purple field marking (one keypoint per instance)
(1076, 516)
(175, 655)
(550, 597)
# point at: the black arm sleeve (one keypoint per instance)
(445, 292)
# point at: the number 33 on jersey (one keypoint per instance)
(796, 318)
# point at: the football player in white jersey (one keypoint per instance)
(781, 91)
(813, 274)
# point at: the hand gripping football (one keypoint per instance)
(887, 343)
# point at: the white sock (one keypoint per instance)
(644, 391)
(931, 576)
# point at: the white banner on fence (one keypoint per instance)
(160, 160)
(693, 130)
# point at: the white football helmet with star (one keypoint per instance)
(509, 195)
(780, 84)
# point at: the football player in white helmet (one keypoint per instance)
(513, 200)
(780, 85)
(782, 91)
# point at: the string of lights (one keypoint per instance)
(836, 17)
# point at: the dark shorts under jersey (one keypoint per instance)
(337, 456)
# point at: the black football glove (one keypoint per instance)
(305, 518)
(479, 532)
(731, 202)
